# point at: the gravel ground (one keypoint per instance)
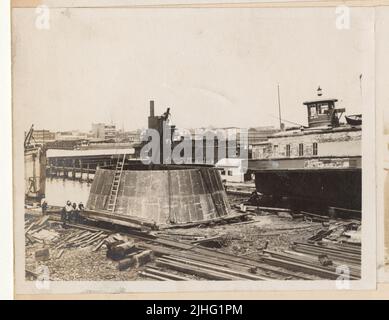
(245, 239)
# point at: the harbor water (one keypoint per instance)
(59, 190)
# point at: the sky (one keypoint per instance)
(212, 67)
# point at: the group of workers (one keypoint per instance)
(71, 212)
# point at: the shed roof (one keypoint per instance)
(320, 100)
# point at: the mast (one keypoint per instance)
(279, 106)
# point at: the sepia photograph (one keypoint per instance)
(178, 148)
(382, 141)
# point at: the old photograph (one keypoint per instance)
(382, 141)
(172, 148)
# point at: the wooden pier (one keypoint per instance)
(82, 164)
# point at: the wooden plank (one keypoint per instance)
(63, 241)
(87, 239)
(315, 216)
(170, 276)
(79, 237)
(29, 228)
(320, 250)
(300, 267)
(309, 261)
(98, 246)
(206, 255)
(248, 262)
(119, 218)
(331, 255)
(59, 255)
(223, 219)
(217, 268)
(43, 220)
(272, 209)
(30, 238)
(153, 276)
(356, 251)
(91, 241)
(201, 272)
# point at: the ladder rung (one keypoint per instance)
(115, 183)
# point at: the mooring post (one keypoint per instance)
(81, 169)
(74, 169)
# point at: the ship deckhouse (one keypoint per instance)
(322, 113)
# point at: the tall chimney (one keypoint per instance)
(151, 108)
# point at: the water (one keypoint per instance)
(58, 191)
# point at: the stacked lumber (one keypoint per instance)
(321, 260)
(157, 274)
(81, 239)
(126, 253)
(211, 264)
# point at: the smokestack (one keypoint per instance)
(151, 108)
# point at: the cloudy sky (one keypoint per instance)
(215, 67)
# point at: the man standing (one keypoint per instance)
(66, 212)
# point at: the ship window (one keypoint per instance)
(313, 112)
(323, 108)
(314, 147)
(288, 150)
(301, 149)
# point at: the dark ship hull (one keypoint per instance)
(315, 190)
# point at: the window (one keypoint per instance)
(301, 149)
(288, 150)
(313, 111)
(223, 172)
(230, 172)
(275, 149)
(323, 108)
(314, 149)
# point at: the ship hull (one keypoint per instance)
(311, 183)
(313, 189)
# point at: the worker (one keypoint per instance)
(66, 212)
(254, 198)
(44, 206)
(225, 185)
(81, 206)
(74, 214)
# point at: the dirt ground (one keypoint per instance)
(241, 239)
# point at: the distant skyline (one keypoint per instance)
(212, 67)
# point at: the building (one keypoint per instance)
(259, 134)
(258, 138)
(104, 131)
(129, 136)
(232, 169)
(70, 135)
(43, 136)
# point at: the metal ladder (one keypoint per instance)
(115, 184)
